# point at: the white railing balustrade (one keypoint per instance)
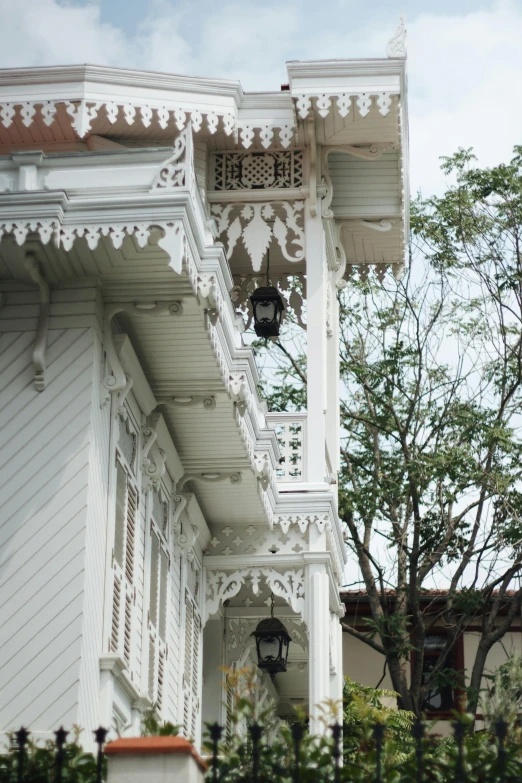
(290, 430)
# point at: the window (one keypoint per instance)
(441, 697)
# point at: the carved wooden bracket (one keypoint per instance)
(39, 360)
(211, 477)
(185, 537)
(208, 401)
(153, 469)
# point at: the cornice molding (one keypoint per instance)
(326, 69)
(57, 74)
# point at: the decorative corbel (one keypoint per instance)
(39, 360)
(118, 381)
(153, 470)
(208, 401)
(181, 500)
(122, 395)
(211, 477)
(185, 537)
(237, 389)
(379, 225)
(262, 469)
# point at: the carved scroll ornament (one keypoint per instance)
(257, 224)
(175, 171)
(222, 586)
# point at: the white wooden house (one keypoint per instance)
(149, 503)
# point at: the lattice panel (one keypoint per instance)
(258, 170)
(290, 436)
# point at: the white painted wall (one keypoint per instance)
(46, 461)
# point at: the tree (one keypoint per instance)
(431, 367)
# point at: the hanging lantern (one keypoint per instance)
(272, 642)
(268, 308)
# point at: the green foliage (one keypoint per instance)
(40, 763)
(363, 707)
(430, 488)
(503, 697)
(152, 727)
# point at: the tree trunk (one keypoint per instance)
(400, 684)
(476, 675)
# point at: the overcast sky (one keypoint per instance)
(464, 56)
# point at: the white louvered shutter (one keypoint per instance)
(159, 573)
(191, 684)
(123, 563)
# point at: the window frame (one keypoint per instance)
(458, 664)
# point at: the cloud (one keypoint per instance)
(465, 75)
(465, 70)
(43, 32)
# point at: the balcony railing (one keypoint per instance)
(290, 430)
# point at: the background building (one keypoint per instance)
(367, 666)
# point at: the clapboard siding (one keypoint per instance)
(46, 449)
(95, 549)
(365, 187)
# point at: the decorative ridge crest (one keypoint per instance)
(397, 45)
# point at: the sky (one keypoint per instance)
(464, 56)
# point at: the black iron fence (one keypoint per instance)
(58, 761)
(294, 757)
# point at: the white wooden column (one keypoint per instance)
(318, 620)
(332, 385)
(336, 661)
(316, 346)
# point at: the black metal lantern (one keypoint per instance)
(268, 308)
(272, 642)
